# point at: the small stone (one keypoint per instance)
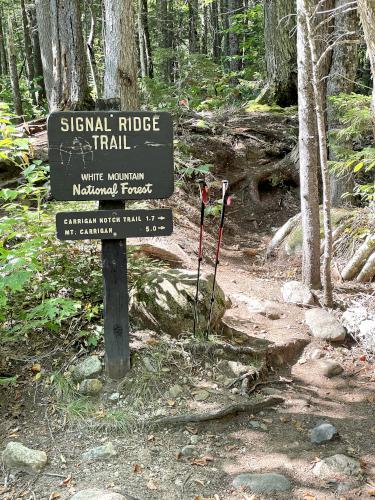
(175, 391)
(90, 387)
(194, 439)
(88, 368)
(295, 292)
(238, 368)
(329, 368)
(263, 427)
(262, 483)
(316, 354)
(95, 494)
(188, 451)
(324, 325)
(100, 452)
(255, 424)
(19, 457)
(322, 433)
(202, 395)
(114, 397)
(337, 465)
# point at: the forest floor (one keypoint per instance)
(151, 461)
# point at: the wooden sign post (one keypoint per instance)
(112, 156)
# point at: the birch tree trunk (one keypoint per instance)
(43, 18)
(341, 79)
(91, 53)
(308, 157)
(120, 74)
(12, 60)
(281, 55)
(366, 9)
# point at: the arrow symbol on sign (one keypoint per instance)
(161, 218)
(161, 227)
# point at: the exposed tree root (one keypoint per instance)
(282, 233)
(368, 271)
(232, 409)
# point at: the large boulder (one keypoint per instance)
(19, 457)
(164, 301)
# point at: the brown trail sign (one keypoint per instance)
(112, 156)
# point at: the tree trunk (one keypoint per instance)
(120, 74)
(281, 56)
(166, 40)
(319, 98)
(308, 158)
(193, 26)
(141, 42)
(43, 17)
(145, 42)
(204, 39)
(70, 90)
(341, 79)
(91, 53)
(28, 52)
(224, 14)
(234, 7)
(4, 62)
(216, 37)
(37, 58)
(12, 60)
(366, 9)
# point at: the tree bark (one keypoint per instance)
(120, 74)
(43, 17)
(37, 58)
(216, 37)
(281, 55)
(4, 61)
(319, 98)
(204, 38)
(70, 85)
(13, 72)
(341, 79)
(193, 26)
(91, 53)
(224, 14)
(366, 9)
(144, 40)
(235, 8)
(165, 22)
(308, 157)
(28, 52)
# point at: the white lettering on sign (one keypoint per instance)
(100, 124)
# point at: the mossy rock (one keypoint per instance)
(164, 301)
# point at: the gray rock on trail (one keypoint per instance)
(100, 452)
(90, 387)
(295, 292)
(19, 457)
(263, 483)
(324, 325)
(267, 308)
(329, 368)
(88, 368)
(337, 466)
(189, 451)
(164, 300)
(323, 433)
(95, 494)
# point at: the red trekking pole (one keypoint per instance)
(203, 191)
(225, 202)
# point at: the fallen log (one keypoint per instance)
(231, 409)
(358, 260)
(368, 270)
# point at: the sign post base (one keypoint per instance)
(116, 316)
